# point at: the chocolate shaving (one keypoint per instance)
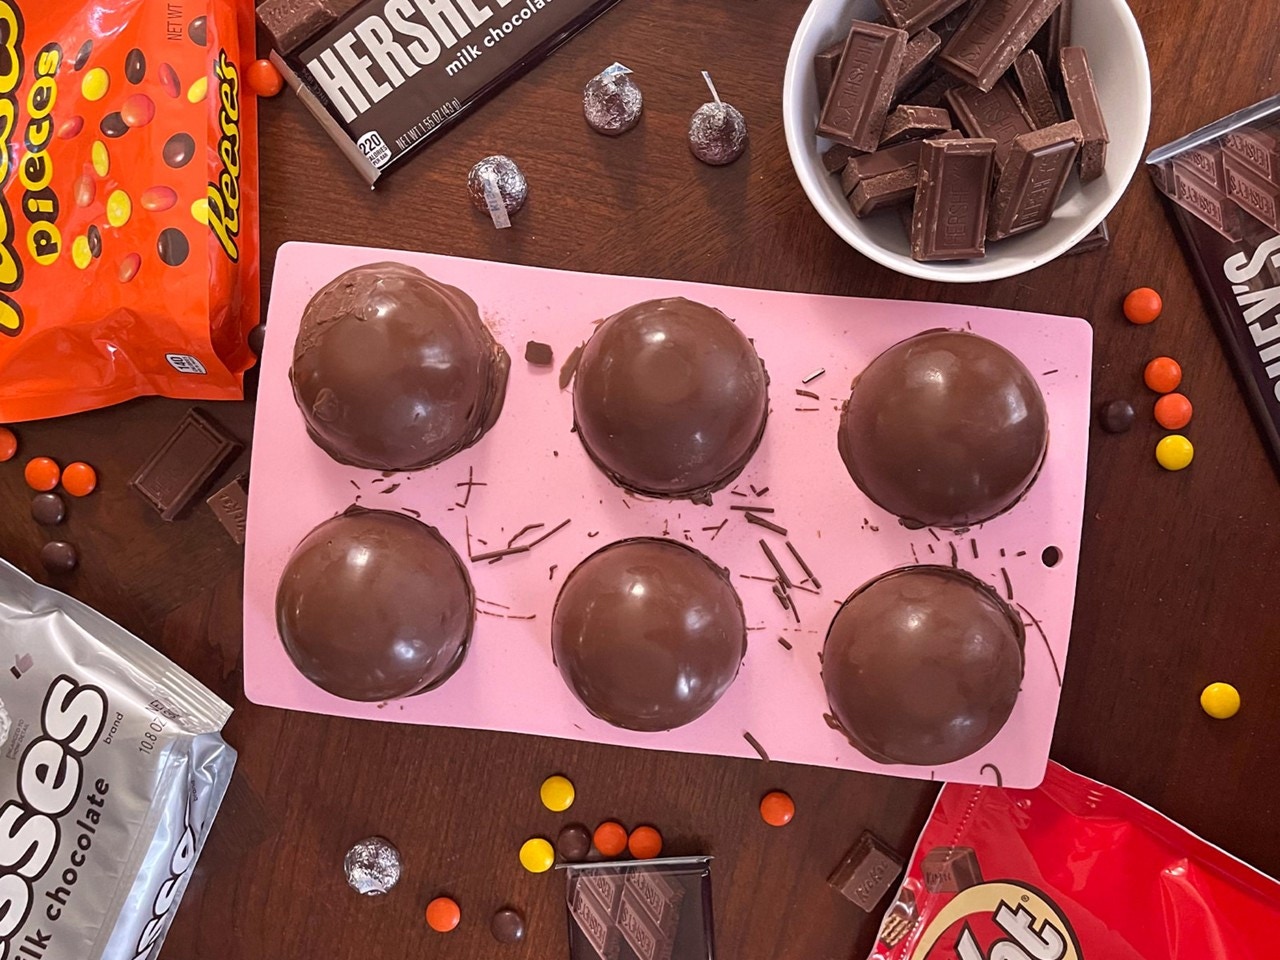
(555, 529)
(552, 572)
(808, 393)
(390, 489)
(995, 770)
(815, 375)
(490, 603)
(803, 566)
(469, 483)
(784, 643)
(1047, 373)
(570, 366)
(807, 409)
(499, 554)
(1021, 553)
(767, 524)
(777, 567)
(781, 595)
(759, 493)
(973, 545)
(1002, 551)
(592, 533)
(412, 512)
(523, 530)
(913, 553)
(1040, 630)
(752, 509)
(933, 533)
(354, 484)
(955, 557)
(755, 744)
(1008, 587)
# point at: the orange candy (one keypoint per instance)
(8, 444)
(264, 79)
(1173, 411)
(1142, 305)
(645, 843)
(443, 914)
(777, 809)
(610, 838)
(42, 474)
(1163, 374)
(79, 479)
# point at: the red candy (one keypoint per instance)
(610, 838)
(777, 809)
(1163, 374)
(138, 110)
(79, 479)
(42, 474)
(264, 79)
(8, 444)
(1173, 411)
(1142, 305)
(645, 843)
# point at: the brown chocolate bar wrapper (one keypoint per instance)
(1233, 251)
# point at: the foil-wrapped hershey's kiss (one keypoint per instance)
(498, 187)
(612, 101)
(372, 866)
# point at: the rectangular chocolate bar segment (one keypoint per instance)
(836, 156)
(824, 68)
(1259, 147)
(856, 108)
(1032, 179)
(886, 190)
(643, 936)
(1198, 197)
(1036, 94)
(1252, 193)
(1053, 36)
(933, 92)
(1207, 162)
(997, 114)
(949, 219)
(230, 505)
(921, 49)
(898, 157)
(182, 466)
(867, 872)
(598, 925)
(607, 888)
(911, 15)
(290, 23)
(660, 898)
(1082, 96)
(910, 122)
(991, 38)
(1099, 238)
(950, 869)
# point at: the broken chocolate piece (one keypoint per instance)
(836, 156)
(921, 49)
(911, 15)
(1096, 239)
(181, 467)
(991, 37)
(900, 919)
(997, 114)
(909, 122)
(933, 92)
(1082, 96)
(538, 354)
(889, 160)
(1052, 37)
(230, 505)
(886, 190)
(950, 869)
(858, 104)
(824, 68)
(867, 872)
(1036, 94)
(1032, 179)
(290, 23)
(949, 219)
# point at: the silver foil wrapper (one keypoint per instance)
(717, 133)
(612, 101)
(509, 179)
(372, 866)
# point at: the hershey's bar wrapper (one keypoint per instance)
(1229, 230)
(110, 775)
(389, 76)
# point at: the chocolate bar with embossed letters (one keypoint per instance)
(949, 219)
(911, 15)
(916, 59)
(1259, 147)
(1201, 198)
(950, 869)
(991, 37)
(997, 114)
(1032, 179)
(867, 872)
(856, 107)
(1082, 97)
(1036, 95)
(1251, 192)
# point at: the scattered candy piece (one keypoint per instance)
(507, 926)
(169, 80)
(574, 843)
(612, 102)
(1220, 701)
(58, 556)
(198, 90)
(1142, 305)
(1163, 374)
(645, 843)
(777, 809)
(79, 479)
(264, 78)
(537, 855)
(717, 130)
(1174, 452)
(610, 838)
(443, 914)
(48, 509)
(158, 199)
(100, 159)
(81, 254)
(70, 127)
(200, 210)
(8, 444)
(1173, 411)
(42, 473)
(556, 793)
(538, 354)
(119, 208)
(138, 110)
(498, 188)
(95, 84)
(129, 267)
(1116, 416)
(372, 866)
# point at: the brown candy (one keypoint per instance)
(922, 666)
(394, 371)
(944, 429)
(375, 605)
(670, 398)
(648, 634)
(198, 31)
(178, 150)
(113, 125)
(58, 556)
(173, 247)
(48, 509)
(135, 66)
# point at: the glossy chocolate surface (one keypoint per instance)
(394, 371)
(648, 634)
(922, 666)
(670, 398)
(945, 429)
(375, 605)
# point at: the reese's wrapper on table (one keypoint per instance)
(1072, 870)
(1223, 184)
(128, 217)
(384, 77)
(111, 771)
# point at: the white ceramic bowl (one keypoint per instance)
(1110, 35)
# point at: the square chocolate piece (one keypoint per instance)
(950, 869)
(867, 872)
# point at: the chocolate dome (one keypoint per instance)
(922, 666)
(394, 371)
(648, 634)
(374, 605)
(945, 429)
(670, 398)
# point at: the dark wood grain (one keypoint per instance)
(1178, 572)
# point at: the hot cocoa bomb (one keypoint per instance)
(922, 666)
(394, 371)
(670, 398)
(945, 429)
(648, 634)
(375, 605)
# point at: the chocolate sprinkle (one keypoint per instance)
(777, 567)
(570, 366)
(751, 509)
(755, 744)
(995, 770)
(768, 525)
(803, 566)
(1008, 587)
(784, 643)
(815, 375)
(392, 488)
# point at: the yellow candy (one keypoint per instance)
(556, 793)
(537, 855)
(119, 208)
(95, 84)
(200, 210)
(1174, 452)
(101, 160)
(81, 255)
(199, 90)
(1220, 701)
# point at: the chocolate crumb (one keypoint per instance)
(755, 744)
(955, 557)
(538, 354)
(784, 643)
(973, 545)
(412, 512)
(1008, 587)
(768, 525)
(552, 572)
(390, 489)
(752, 509)
(759, 493)
(570, 366)
(808, 393)
(815, 375)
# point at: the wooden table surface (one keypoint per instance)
(1178, 572)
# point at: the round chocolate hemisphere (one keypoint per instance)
(375, 605)
(922, 666)
(670, 398)
(648, 634)
(394, 371)
(945, 429)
